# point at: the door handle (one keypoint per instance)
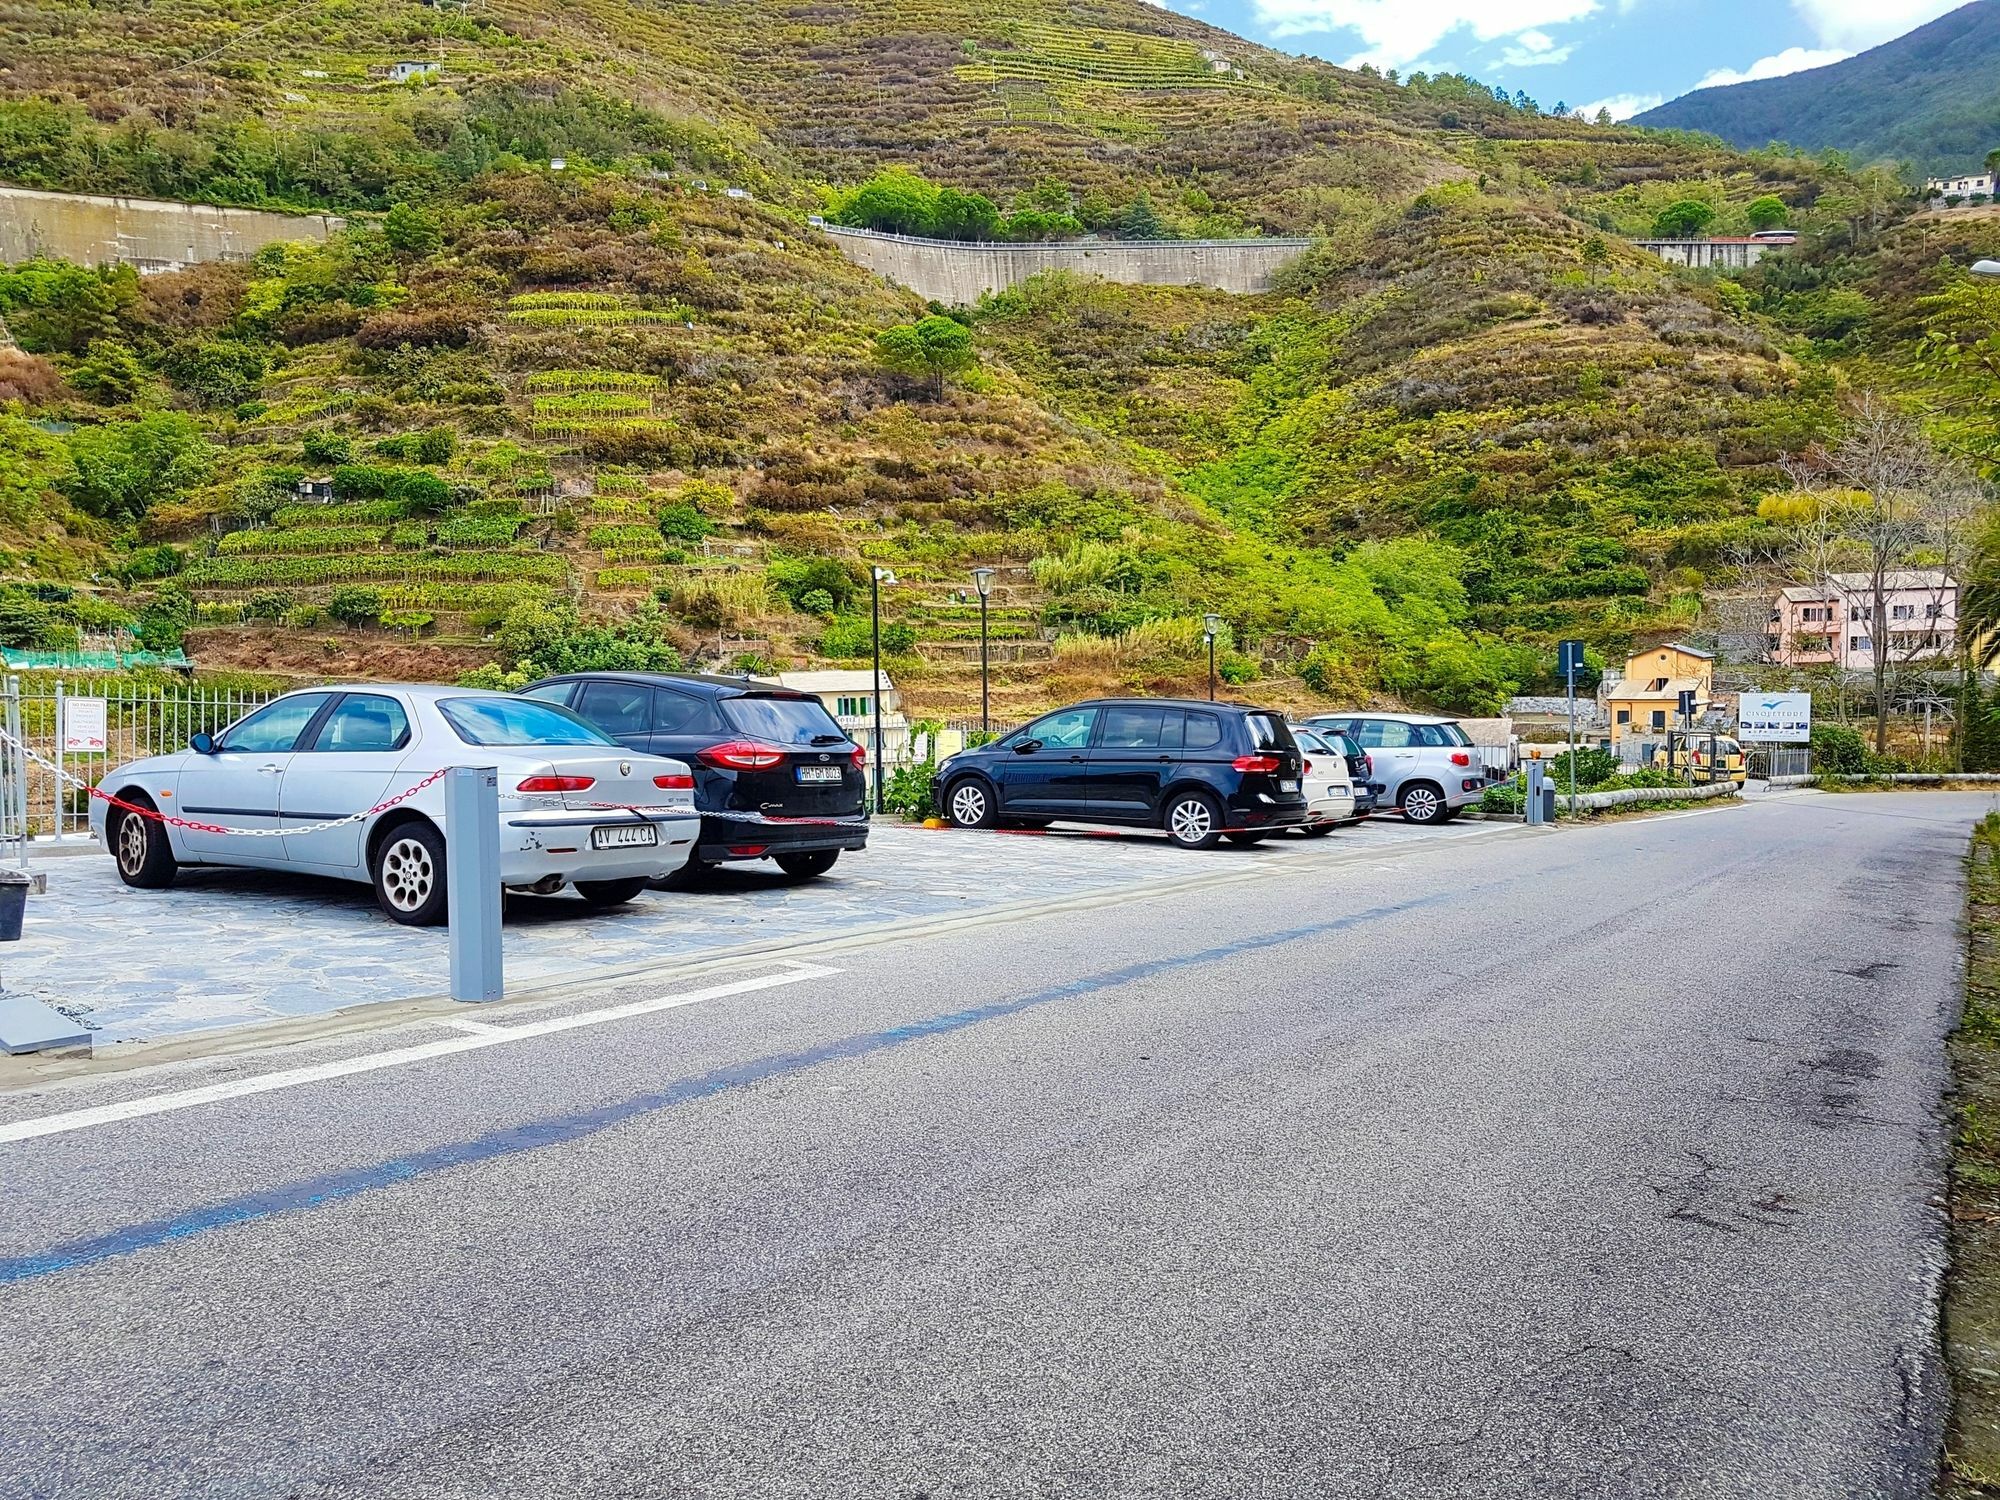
(269, 770)
(1166, 760)
(1076, 760)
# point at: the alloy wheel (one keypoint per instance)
(968, 806)
(1421, 804)
(132, 838)
(1190, 821)
(408, 875)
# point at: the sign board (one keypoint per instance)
(1774, 718)
(1687, 703)
(1569, 658)
(85, 729)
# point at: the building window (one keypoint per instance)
(851, 708)
(1903, 612)
(1856, 612)
(1624, 716)
(1933, 611)
(1857, 643)
(1659, 718)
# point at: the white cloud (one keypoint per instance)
(1397, 33)
(1621, 106)
(1791, 60)
(1855, 24)
(1534, 49)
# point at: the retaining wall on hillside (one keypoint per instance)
(150, 233)
(956, 272)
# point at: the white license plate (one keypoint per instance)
(819, 773)
(624, 836)
(1288, 786)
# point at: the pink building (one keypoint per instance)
(1832, 624)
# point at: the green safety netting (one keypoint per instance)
(91, 661)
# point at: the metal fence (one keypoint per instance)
(85, 727)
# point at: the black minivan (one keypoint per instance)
(754, 748)
(1201, 771)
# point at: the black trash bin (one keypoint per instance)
(13, 904)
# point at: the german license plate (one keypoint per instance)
(819, 773)
(1288, 786)
(624, 836)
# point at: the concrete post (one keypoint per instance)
(472, 881)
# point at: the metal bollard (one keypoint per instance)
(1537, 776)
(472, 881)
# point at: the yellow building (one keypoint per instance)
(1646, 701)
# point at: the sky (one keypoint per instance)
(1621, 55)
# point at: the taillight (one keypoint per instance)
(1309, 768)
(860, 757)
(743, 755)
(1367, 764)
(557, 784)
(1263, 763)
(674, 783)
(1460, 758)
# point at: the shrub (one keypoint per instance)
(910, 790)
(437, 446)
(267, 604)
(354, 605)
(795, 577)
(1839, 751)
(683, 523)
(328, 447)
(413, 620)
(816, 602)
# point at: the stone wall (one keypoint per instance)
(957, 273)
(148, 233)
(1732, 253)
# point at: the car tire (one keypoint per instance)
(1026, 825)
(610, 892)
(807, 865)
(1422, 803)
(968, 803)
(409, 875)
(1192, 820)
(1318, 830)
(145, 858)
(1255, 836)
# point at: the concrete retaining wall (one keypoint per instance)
(1628, 795)
(152, 234)
(1736, 254)
(956, 273)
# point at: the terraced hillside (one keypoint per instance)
(609, 411)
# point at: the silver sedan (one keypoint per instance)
(320, 781)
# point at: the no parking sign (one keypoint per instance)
(85, 726)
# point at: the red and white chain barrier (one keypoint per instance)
(173, 820)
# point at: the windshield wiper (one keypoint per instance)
(828, 739)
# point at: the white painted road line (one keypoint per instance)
(487, 1035)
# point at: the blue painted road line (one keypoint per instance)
(337, 1187)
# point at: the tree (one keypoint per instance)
(122, 469)
(894, 201)
(55, 307)
(216, 372)
(1993, 161)
(932, 349)
(1596, 255)
(1603, 116)
(1767, 212)
(1686, 220)
(1140, 221)
(354, 604)
(411, 231)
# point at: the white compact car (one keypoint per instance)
(1328, 787)
(576, 807)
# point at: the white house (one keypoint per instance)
(1973, 184)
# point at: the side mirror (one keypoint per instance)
(1027, 747)
(202, 744)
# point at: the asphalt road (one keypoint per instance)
(1595, 1163)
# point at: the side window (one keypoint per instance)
(1385, 734)
(1129, 727)
(276, 727)
(1068, 729)
(552, 692)
(677, 713)
(617, 707)
(1428, 737)
(1204, 730)
(364, 721)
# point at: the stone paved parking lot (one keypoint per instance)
(231, 947)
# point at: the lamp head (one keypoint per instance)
(982, 579)
(1211, 624)
(884, 575)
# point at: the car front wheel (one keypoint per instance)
(969, 805)
(610, 892)
(1193, 820)
(1423, 803)
(409, 875)
(145, 860)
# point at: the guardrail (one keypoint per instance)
(1626, 796)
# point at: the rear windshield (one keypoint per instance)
(1442, 734)
(1268, 733)
(517, 721)
(785, 721)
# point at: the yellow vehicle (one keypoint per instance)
(1694, 750)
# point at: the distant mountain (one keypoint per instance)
(1931, 98)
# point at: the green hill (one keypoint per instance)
(1931, 98)
(612, 413)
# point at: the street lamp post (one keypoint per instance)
(876, 578)
(1211, 627)
(982, 579)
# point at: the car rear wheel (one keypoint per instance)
(1256, 836)
(1423, 803)
(145, 859)
(805, 866)
(409, 875)
(1192, 820)
(1318, 830)
(969, 804)
(691, 876)
(610, 892)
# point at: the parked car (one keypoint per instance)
(1423, 766)
(755, 748)
(1202, 771)
(1329, 788)
(575, 806)
(1729, 759)
(1360, 769)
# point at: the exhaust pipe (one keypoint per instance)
(548, 885)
